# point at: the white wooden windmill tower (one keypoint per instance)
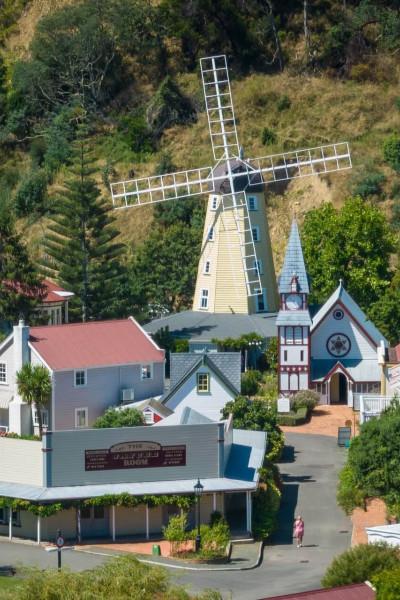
(236, 271)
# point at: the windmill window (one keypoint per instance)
(298, 335)
(289, 335)
(214, 202)
(252, 203)
(3, 372)
(207, 267)
(258, 270)
(203, 382)
(210, 235)
(204, 298)
(261, 302)
(256, 233)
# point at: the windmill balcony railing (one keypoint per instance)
(372, 405)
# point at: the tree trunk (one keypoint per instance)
(40, 420)
(278, 47)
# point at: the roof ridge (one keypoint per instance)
(127, 320)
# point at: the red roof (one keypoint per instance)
(55, 293)
(356, 591)
(94, 344)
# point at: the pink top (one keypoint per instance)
(299, 527)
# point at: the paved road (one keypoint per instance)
(309, 468)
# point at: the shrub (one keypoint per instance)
(276, 443)
(370, 185)
(31, 194)
(360, 563)
(268, 137)
(361, 72)
(169, 107)
(266, 503)
(283, 103)
(387, 584)
(126, 417)
(305, 399)
(136, 133)
(214, 539)
(391, 151)
(175, 532)
(250, 382)
(397, 102)
(293, 418)
(349, 495)
(271, 354)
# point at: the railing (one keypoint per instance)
(371, 405)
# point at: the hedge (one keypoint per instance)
(299, 417)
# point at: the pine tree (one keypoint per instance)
(20, 285)
(80, 249)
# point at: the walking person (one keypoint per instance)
(298, 530)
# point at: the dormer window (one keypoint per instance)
(294, 283)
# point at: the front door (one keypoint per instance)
(338, 389)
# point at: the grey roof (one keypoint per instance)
(358, 369)
(202, 359)
(227, 363)
(297, 317)
(293, 264)
(340, 295)
(240, 183)
(189, 416)
(203, 327)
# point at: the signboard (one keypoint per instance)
(135, 455)
(60, 542)
(344, 436)
(394, 378)
(283, 404)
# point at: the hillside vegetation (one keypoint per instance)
(301, 76)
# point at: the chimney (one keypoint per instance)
(21, 350)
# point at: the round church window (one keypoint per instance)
(338, 344)
(338, 314)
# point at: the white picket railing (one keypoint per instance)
(371, 405)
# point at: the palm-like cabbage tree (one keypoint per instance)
(34, 387)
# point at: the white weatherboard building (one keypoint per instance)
(338, 352)
(69, 467)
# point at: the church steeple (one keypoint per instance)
(293, 265)
(294, 319)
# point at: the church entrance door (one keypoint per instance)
(338, 389)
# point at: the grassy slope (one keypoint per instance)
(322, 110)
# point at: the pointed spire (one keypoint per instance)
(293, 264)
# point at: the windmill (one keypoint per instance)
(236, 271)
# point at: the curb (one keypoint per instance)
(186, 568)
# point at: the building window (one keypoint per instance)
(256, 233)
(3, 515)
(203, 382)
(214, 202)
(301, 355)
(252, 202)
(298, 335)
(85, 512)
(80, 378)
(261, 302)
(338, 314)
(210, 235)
(45, 418)
(3, 372)
(289, 335)
(148, 417)
(146, 372)
(98, 512)
(258, 267)
(204, 298)
(285, 356)
(81, 417)
(207, 267)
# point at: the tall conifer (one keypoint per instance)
(80, 251)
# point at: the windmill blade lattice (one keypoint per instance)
(219, 107)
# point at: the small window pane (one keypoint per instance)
(81, 417)
(252, 202)
(256, 234)
(204, 298)
(202, 382)
(80, 378)
(214, 203)
(146, 372)
(210, 234)
(207, 267)
(3, 372)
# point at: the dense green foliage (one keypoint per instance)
(353, 244)
(34, 386)
(257, 415)
(266, 503)
(80, 249)
(126, 417)
(297, 416)
(373, 464)
(360, 563)
(387, 584)
(250, 382)
(214, 537)
(305, 399)
(122, 578)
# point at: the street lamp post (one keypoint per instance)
(198, 489)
